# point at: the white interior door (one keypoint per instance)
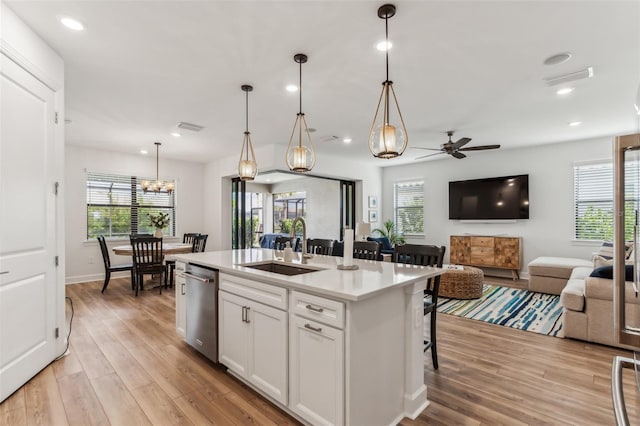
(27, 227)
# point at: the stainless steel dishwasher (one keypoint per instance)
(202, 309)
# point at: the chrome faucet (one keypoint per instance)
(304, 235)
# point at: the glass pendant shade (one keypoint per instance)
(157, 185)
(247, 166)
(300, 156)
(387, 138)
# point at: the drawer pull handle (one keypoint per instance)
(182, 289)
(310, 327)
(247, 314)
(313, 308)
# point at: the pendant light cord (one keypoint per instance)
(300, 87)
(157, 161)
(247, 112)
(386, 36)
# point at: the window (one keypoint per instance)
(117, 206)
(286, 207)
(409, 207)
(593, 200)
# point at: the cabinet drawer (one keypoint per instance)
(481, 241)
(264, 293)
(318, 308)
(481, 256)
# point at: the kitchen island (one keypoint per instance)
(329, 346)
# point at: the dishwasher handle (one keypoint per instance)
(198, 278)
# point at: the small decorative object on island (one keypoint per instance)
(159, 221)
(386, 140)
(247, 167)
(300, 158)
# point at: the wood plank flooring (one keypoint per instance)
(128, 366)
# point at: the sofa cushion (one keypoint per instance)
(558, 267)
(607, 272)
(572, 296)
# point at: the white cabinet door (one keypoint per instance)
(181, 311)
(268, 357)
(28, 281)
(316, 384)
(233, 333)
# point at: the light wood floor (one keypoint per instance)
(128, 366)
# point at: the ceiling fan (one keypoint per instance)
(454, 148)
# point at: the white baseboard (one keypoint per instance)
(77, 279)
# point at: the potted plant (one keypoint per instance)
(159, 221)
(389, 231)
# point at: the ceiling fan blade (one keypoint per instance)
(461, 142)
(458, 155)
(480, 148)
(430, 149)
(430, 155)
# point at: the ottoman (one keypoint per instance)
(550, 274)
(463, 283)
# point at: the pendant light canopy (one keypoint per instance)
(300, 157)
(387, 140)
(247, 167)
(158, 185)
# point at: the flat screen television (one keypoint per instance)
(505, 197)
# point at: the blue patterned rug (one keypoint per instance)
(515, 308)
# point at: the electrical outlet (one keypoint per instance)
(91, 260)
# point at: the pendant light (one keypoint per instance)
(158, 185)
(300, 158)
(387, 140)
(247, 167)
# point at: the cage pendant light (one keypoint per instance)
(247, 167)
(387, 140)
(158, 185)
(300, 157)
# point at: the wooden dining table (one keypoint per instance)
(167, 248)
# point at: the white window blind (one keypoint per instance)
(117, 206)
(409, 207)
(593, 200)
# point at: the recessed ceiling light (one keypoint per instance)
(291, 88)
(575, 123)
(346, 140)
(384, 46)
(565, 91)
(267, 180)
(144, 152)
(557, 59)
(175, 134)
(72, 24)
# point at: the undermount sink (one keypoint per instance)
(279, 268)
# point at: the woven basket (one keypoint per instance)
(461, 284)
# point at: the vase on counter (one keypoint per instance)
(158, 233)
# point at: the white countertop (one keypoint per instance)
(369, 279)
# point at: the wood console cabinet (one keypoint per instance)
(487, 251)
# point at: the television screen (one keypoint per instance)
(504, 197)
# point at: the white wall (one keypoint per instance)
(548, 232)
(83, 258)
(218, 176)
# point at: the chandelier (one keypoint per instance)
(300, 158)
(157, 185)
(247, 167)
(387, 140)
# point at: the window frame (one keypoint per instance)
(396, 207)
(137, 211)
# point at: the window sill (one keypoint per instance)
(588, 243)
(123, 241)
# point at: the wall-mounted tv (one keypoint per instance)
(505, 197)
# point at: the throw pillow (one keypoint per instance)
(607, 272)
(599, 261)
(384, 242)
(606, 250)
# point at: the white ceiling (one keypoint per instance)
(475, 67)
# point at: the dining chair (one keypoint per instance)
(147, 259)
(425, 255)
(199, 243)
(280, 242)
(319, 246)
(187, 238)
(369, 250)
(109, 268)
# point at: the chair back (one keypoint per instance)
(369, 250)
(425, 255)
(189, 237)
(199, 243)
(281, 242)
(320, 246)
(105, 252)
(147, 253)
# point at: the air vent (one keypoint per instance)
(190, 126)
(328, 138)
(578, 75)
